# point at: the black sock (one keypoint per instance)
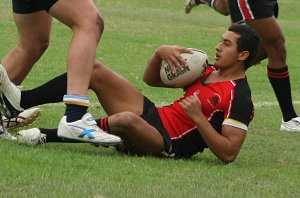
(280, 81)
(50, 92)
(75, 112)
(51, 136)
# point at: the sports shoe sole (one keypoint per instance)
(22, 120)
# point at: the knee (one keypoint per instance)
(36, 48)
(126, 120)
(93, 24)
(123, 124)
(97, 25)
(42, 46)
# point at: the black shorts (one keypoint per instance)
(31, 6)
(252, 9)
(151, 116)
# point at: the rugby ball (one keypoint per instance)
(196, 66)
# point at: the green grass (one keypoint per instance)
(267, 166)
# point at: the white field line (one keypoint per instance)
(256, 104)
(269, 103)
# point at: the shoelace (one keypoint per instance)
(11, 121)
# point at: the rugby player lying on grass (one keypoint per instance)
(213, 113)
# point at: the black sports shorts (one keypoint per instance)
(31, 6)
(252, 9)
(151, 116)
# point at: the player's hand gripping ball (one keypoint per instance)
(196, 66)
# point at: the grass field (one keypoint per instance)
(267, 166)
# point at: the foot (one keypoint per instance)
(26, 118)
(31, 137)
(189, 4)
(292, 125)
(10, 96)
(86, 130)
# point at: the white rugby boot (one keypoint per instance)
(292, 125)
(86, 130)
(31, 137)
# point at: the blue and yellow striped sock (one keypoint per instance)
(76, 107)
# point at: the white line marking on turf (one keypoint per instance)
(269, 104)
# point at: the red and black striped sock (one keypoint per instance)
(280, 81)
(103, 124)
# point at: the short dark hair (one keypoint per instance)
(248, 41)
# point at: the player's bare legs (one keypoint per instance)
(86, 23)
(273, 43)
(221, 6)
(114, 92)
(125, 103)
(138, 136)
(272, 40)
(34, 32)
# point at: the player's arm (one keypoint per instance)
(170, 54)
(226, 145)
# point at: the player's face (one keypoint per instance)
(226, 50)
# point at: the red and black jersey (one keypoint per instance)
(223, 103)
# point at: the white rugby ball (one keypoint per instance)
(197, 63)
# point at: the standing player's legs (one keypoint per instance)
(34, 32)
(33, 27)
(272, 40)
(87, 25)
(83, 18)
(274, 44)
(261, 16)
